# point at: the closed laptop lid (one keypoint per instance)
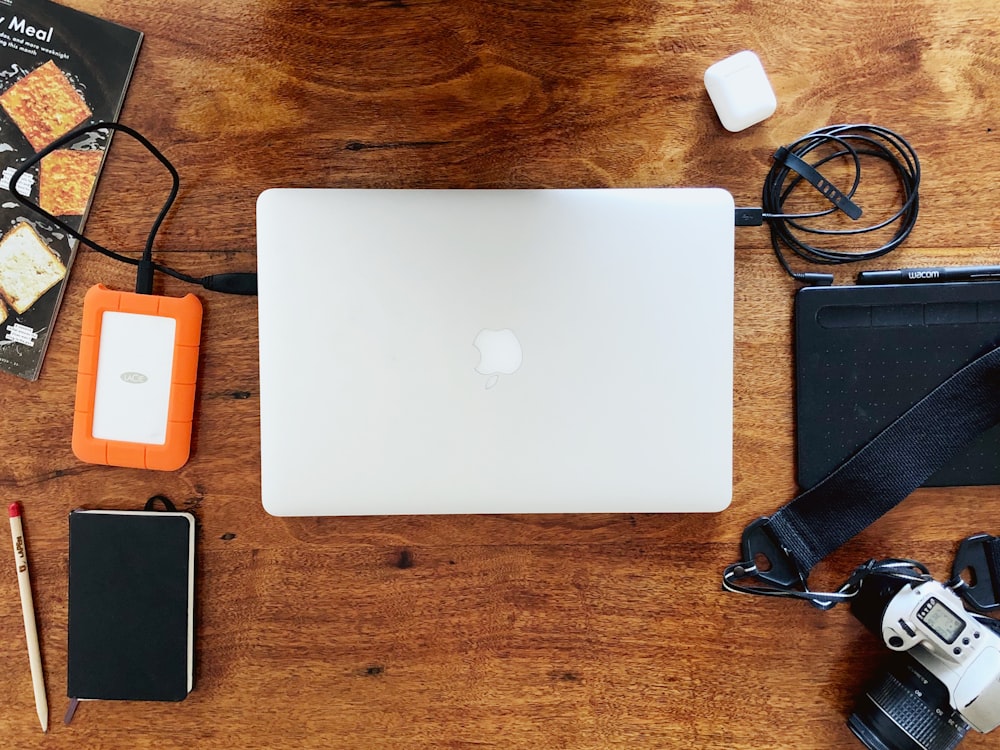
(495, 351)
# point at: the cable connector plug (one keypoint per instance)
(231, 283)
(749, 217)
(144, 276)
(814, 279)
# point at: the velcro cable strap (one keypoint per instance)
(879, 476)
(818, 181)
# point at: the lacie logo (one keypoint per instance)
(923, 274)
(136, 378)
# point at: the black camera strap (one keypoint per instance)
(780, 550)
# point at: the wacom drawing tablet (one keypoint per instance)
(865, 354)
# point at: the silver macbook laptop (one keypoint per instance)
(495, 351)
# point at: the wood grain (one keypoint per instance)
(502, 631)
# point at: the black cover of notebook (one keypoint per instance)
(131, 590)
(866, 354)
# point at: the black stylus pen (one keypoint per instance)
(922, 275)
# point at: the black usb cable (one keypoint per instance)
(228, 283)
(789, 231)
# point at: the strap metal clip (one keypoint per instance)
(759, 545)
(980, 556)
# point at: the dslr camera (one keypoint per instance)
(945, 676)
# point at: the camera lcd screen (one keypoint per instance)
(945, 623)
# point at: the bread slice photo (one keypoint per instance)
(28, 267)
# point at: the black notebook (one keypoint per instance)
(131, 605)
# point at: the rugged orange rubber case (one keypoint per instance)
(174, 453)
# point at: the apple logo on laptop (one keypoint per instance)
(499, 354)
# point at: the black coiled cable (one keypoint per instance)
(789, 231)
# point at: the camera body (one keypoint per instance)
(948, 676)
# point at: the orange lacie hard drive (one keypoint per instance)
(136, 380)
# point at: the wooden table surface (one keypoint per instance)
(574, 631)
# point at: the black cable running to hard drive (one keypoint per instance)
(230, 283)
(790, 168)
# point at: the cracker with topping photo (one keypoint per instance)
(44, 105)
(66, 179)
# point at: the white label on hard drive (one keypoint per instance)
(134, 367)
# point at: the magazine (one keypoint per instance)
(59, 69)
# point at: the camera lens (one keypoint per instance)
(907, 709)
